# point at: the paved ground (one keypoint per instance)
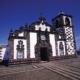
(53, 70)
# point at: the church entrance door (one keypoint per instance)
(43, 54)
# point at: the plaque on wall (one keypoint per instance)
(43, 37)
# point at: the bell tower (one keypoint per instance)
(64, 27)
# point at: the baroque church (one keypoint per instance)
(41, 41)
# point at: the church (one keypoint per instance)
(41, 41)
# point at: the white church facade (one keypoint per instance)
(41, 41)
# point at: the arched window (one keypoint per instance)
(67, 21)
(20, 50)
(61, 49)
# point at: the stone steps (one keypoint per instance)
(69, 67)
(63, 71)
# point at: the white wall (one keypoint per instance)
(33, 41)
(21, 34)
(63, 47)
(52, 42)
(3, 52)
(43, 27)
(15, 47)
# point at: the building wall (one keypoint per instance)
(0, 53)
(69, 41)
(11, 48)
(4, 52)
(21, 34)
(33, 41)
(43, 27)
(52, 42)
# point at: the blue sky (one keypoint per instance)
(16, 13)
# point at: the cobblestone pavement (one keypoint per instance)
(37, 72)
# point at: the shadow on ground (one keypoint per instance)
(5, 63)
